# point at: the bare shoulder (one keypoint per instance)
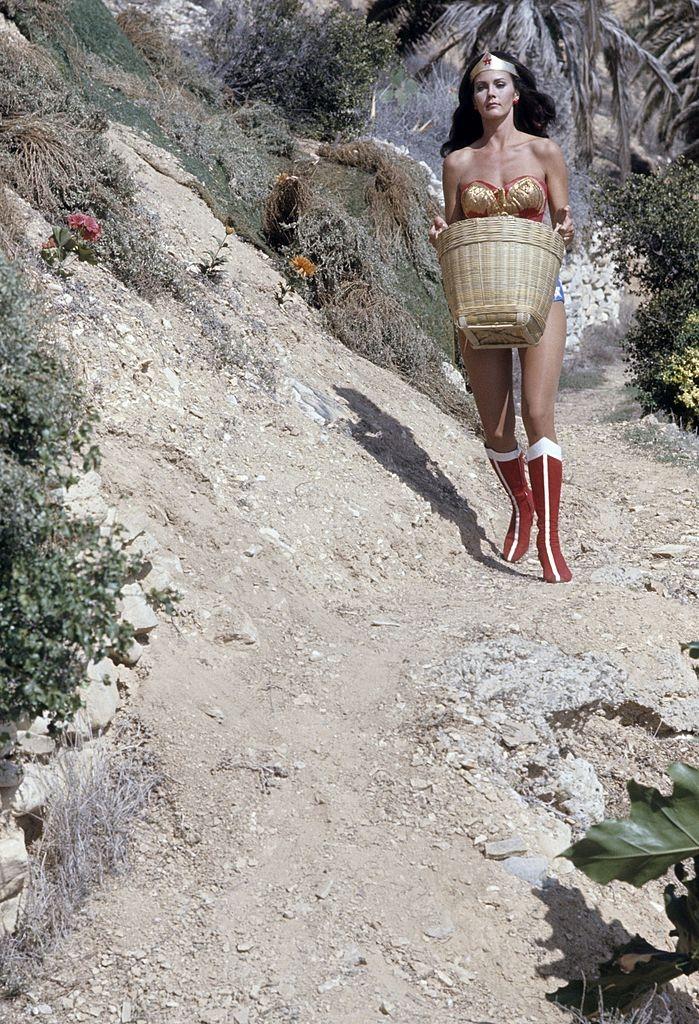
(457, 164)
(547, 151)
(457, 159)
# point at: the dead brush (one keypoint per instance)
(397, 197)
(289, 199)
(655, 1011)
(146, 36)
(40, 152)
(98, 794)
(10, 224)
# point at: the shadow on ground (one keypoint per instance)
(393, 445)
(584, 940)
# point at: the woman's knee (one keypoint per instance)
(538, 421)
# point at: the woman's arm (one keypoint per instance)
(450, 187)
(557, 185)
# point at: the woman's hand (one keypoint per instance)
(564, 224)
(438, 226)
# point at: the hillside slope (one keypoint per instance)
(333, 774)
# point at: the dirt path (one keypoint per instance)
(318, 857)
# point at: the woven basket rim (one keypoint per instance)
(530, 232)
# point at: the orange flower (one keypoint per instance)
(285, 177)
(303, 266)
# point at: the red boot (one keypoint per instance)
(546, 475)
(509, 467)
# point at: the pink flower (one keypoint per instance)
(87, 227)
(50, 243)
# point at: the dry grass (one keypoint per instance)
(166, 61)
(655, 1011)
(146, 36)
(53, 148)
(374, 324)
(43, 151)
(10, 224)
(289, 199)
(355, 287)
(397, 196)
(99, 794)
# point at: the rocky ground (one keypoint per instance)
(357, 698)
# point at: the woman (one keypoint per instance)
(499, 161)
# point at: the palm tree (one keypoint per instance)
(671, 32)
(551, 36)
(413, 18)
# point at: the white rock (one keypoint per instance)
(35, 739)
(34, 789)
(165, 568)
(237, 628)
(100, 695)
(9, 914)
(580, 791)
(134, 609)
(13, 860)
(130, 657)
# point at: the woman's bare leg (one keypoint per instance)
(541, 370)
(490, 376)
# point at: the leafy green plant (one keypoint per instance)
(661, 833)
(59, 577)
(71, 243)
(651, 226)
(214, 260)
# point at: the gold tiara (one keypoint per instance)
(490, 63)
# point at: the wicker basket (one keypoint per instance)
(499, 278)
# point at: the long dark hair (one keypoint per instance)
(533, 113)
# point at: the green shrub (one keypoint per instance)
(681, 374)
(319, 68)
(652, 227)
(130, 247)
(59, 579)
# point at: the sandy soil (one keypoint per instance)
(316, 858)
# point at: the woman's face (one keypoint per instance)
(493, 94)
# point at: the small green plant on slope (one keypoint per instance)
(214, 260)
(71, 243)
(662, 832)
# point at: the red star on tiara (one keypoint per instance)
(487, 59)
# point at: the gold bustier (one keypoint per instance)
(522, 197)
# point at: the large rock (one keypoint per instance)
(100, 695)
(35, 739)
(13, 859)
(9, 914)
(34, 790)
(579, 791)
(134, 609)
